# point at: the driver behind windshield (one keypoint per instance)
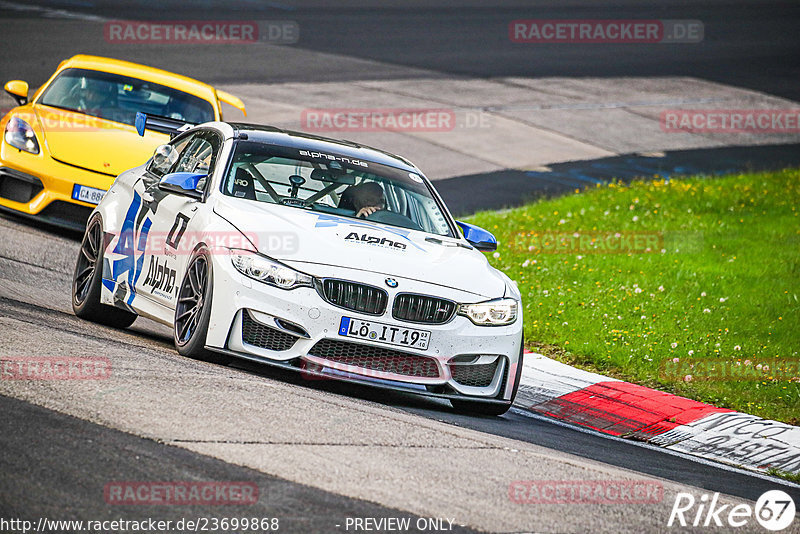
(91, 95)
(364, 199)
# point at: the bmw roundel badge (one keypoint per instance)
(391, 282)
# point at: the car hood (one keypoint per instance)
(92, 143)
(309, 241)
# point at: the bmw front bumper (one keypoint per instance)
(300, 329)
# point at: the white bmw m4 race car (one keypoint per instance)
(327, 257)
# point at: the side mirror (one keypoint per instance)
(182, 183)
(478, 237)
(164, 158)
(18, 91)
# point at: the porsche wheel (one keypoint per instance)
(87, 279)
(193, 311)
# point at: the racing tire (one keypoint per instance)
(482, 408)
(193, 311)
(87, 279)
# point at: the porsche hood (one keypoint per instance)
(93, 143)
(309, 241)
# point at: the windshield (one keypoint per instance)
(118, 98)
(328, 183)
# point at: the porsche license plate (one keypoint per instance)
(87, 194)
(384, 333)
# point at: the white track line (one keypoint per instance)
(645, 445)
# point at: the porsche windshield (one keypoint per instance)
(118, 98)
(329, 183)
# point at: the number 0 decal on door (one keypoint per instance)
(178, 228)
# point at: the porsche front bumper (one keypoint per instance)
(40, 186)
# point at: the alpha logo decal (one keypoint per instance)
(372, 240)
(330, 221)
(160, 277)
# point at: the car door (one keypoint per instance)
(171, 237)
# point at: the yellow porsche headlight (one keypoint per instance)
(19, 134)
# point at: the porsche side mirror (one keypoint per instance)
(18, 91)
(182, 183)
(478, 237)
(163, 158)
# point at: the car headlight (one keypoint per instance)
(19, 134)
(493, 313)
(269, 271)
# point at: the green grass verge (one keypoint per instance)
(721, 283)
(791, 477)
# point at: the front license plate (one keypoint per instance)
(384, 333)
(87, 194)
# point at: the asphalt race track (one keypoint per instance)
(321, 452)
(177, 403)
(748, 44)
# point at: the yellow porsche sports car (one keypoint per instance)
(62, 149)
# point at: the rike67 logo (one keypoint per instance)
(774, 510)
